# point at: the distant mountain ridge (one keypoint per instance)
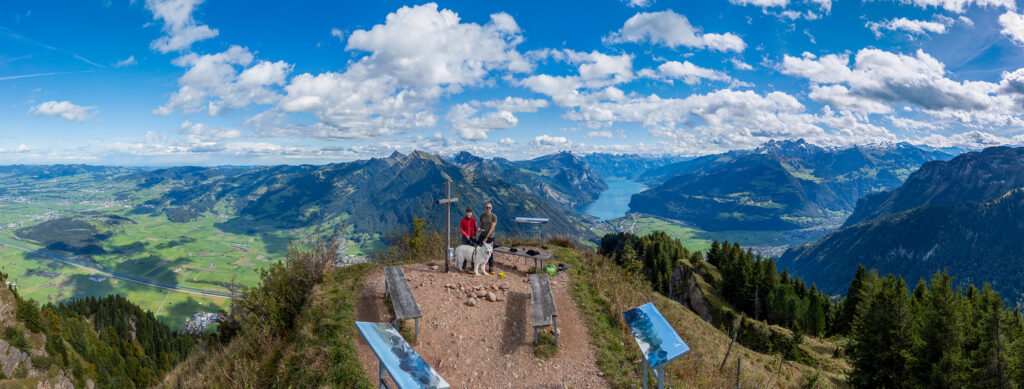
(780, 185)
(965, 215)
(374, 196)
(562, 178)
(626, 166)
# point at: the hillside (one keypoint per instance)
(323, 349)
(562, 179)
(962, 215)
(368, 197)
(106, 342)
(626, 166)
(778, 186)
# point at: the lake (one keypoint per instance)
(613, 202)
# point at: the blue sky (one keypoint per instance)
(165, 82)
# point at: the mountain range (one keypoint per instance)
(778, 186)
(374, 196)
(562, 179)
(965, 215)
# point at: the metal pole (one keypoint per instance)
(645, 374)
(661, 377)
(447, 222)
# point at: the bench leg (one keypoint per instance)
(554, 320)
(417, 328)
(534, 336)
(380, 374)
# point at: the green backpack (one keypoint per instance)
(551, 270)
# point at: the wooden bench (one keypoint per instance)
(522, 253)
(543, 305)
(396, 357)
(402, 299)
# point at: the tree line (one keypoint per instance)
(107, 340)
(936, 335)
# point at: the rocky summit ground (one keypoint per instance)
(476, 331)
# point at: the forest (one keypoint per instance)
(935, 335)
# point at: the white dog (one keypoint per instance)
(479, 254)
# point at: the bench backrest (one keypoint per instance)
(401, 295)
(406, 367)
(542, 300)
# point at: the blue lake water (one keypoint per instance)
(613, 202)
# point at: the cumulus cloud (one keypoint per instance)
(411, 62)
(468, 125)
(912, 27)
(880, 80)
(126, 62)
(64, 110)
(599, 134)
(638, 3)
(761, 3)
(959, 6)
(506, 142)
(1013, 26)
(180, 29)
(337, 33)
(970, 140)
(213, 81)
(687, 72)
(672, 30)
(552, 142)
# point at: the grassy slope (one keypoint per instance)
(602, 294)
(322, 351)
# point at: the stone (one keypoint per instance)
(491, 297)
(471, 302)
(600, 374)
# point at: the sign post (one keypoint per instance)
(658, 342)
(447, 201)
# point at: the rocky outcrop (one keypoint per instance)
(11, 359)
(686, 291)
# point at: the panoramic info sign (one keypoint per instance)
(657, 340)
(405, 366)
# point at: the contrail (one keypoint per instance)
(4, 78)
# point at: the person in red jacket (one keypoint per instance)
(468, 228)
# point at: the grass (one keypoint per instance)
(320, 353)
(602, 290)
(545, 347)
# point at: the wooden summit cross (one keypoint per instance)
(447, 201)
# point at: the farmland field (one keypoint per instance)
(102, 224)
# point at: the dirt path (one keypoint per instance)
(490, 344)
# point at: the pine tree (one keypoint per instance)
(879, 336)
(936, 357)
(988, 343)
(854, 296)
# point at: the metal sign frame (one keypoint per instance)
(658, 341)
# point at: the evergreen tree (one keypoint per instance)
(936, 357)
(880, 333)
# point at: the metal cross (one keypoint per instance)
(447, 201)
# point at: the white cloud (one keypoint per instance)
(1013, 26)
(913, 27)
(599, 134)
(336, 32)
(126, 62)
(468, 125)
(970, 140)
(180, 28)
(740, 65)
(959, 6)
(22, 148)
(880, 80)
(690, 74)
(64, 110)
(672, 30)
(966, 21)
(214, 82)
(638, 3)
(418, 55)
(761, 3)
(552, 142)
(910, 124)
(506, 142)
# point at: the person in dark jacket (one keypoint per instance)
(487, 222)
